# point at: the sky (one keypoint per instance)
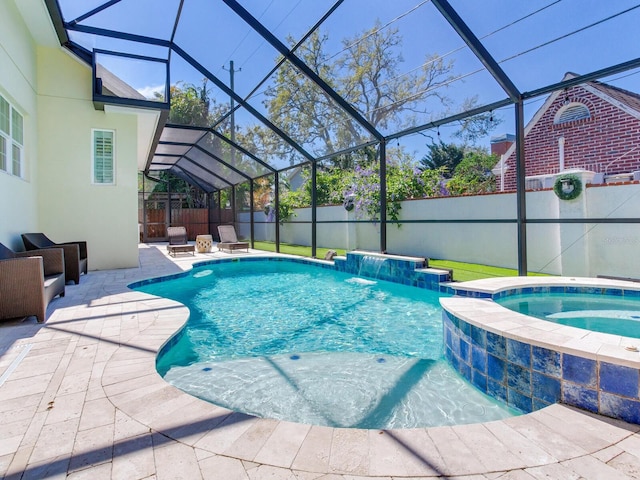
(535, 42)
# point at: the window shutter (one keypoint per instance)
(4, 116)
(103, 159)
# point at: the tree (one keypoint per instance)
(447, 155)
(366, 73)
(473, 174)
(190, 105)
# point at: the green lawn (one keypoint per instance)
(296, 249)
(462, 272)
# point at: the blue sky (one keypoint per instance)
(513, 32)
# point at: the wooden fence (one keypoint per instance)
(195, 220)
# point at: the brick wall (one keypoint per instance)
(591, 144)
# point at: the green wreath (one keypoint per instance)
(567, 187)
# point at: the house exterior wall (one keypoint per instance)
(594, 144)
(18, 196)
(52, 91)
(70, 206)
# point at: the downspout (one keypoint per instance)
(502, 161)
(561, 153)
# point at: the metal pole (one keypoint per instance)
(520, 189)
(251, 227)
(276, 202)
(232, 72)
(314, 206)
(233, 205)
(383, 196)
(219, 208)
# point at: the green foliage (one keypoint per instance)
(473, 174)
(443, 155)
(404, 181)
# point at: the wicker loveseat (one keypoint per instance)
(75, 253)
(29, 281)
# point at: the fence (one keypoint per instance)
(482, 229)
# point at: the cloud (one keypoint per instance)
(151, 90)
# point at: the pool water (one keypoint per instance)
(600, 313)
(296, 342)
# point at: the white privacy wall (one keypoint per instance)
(567, 249)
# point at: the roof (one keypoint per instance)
(484, 53)
(616, 96)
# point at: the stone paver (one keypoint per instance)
(80, 398)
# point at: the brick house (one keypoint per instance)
(593, 127)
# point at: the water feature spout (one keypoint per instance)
(370, 266)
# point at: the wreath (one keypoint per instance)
(567, 187)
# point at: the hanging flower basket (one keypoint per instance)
(567, 187)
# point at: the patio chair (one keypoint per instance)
(229, 239)
(29, 281)
(75, 253)
(178, 242)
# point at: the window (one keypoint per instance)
(11, 138)
(103, 157)
(572, 113)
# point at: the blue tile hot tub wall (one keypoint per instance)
(529, 377)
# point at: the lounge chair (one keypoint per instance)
(29, 281)
(229, 239)
(75, 253)
(178, 241)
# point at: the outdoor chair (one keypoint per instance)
(229, 239)
(178, 242)
(75, 253)
(29, 281)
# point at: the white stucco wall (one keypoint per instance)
(52, 90)
(567, 249)
(70, 206)
(18, 198)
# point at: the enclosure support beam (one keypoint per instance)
(450, 14)
(383, 196)
(521, 204)
(219, 209)
(265, 33)
(276, 202)
(251, 224)
(234, 217)
(314, 206)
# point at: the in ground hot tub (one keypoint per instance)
(531, 363)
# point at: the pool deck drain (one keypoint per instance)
(86, 402)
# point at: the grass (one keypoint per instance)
(296, 249)
(462, 272)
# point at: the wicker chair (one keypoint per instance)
(75, 253)
(29, 281)
(229, 239)
(178, 241)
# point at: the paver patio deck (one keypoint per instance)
(80, 398)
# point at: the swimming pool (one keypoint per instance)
(615, 314)
(286, 340)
